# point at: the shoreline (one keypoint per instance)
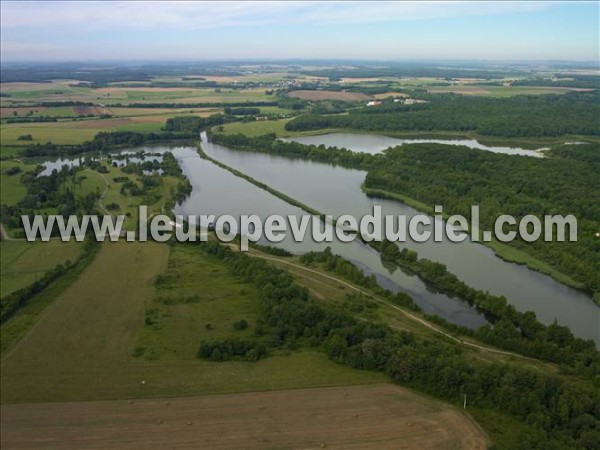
(502, 251)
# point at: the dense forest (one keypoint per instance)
(192, 125)
(579, 151)
(553, 412)
(98, 74)
(519, 116)
(576, 81)
(410, 69)
(458, 177)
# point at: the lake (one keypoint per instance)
(336, 190)
(217, 191)
(374, 143)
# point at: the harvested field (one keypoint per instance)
(202, 112)
(390, 94)
(359, 417)
(217, 78)
(144, 90)
(99, 124)
(21, 111)
(89, 110)
(460, 89)
(360, 80)
(329, 95)
(41, 92)
(33, 86)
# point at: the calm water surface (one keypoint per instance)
(336, 190)
(217, 191)
(374, 143)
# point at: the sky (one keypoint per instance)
(170, 30)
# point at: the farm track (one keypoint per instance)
(368, 294)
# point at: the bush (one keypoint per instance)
(232, 349)
(12, 170)
(240, 325)
(113, 206)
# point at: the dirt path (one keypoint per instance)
(103, 194)
(4, 235)
(423, 322)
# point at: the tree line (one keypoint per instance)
(519, 116)
(13, 302)
(268, 143)
(104, 142)
(192, 125)
(512, 330)
(554, 412)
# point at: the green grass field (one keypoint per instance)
(154, 198)
(74, 132)
(168, 112)
(498, 91)
(31, 93)
(37, 111)
(267, 126)
(44, 132)
(11, 189)
(276, 110)
(91, 181)
(196, 290)
(77, 131)
(82, 347)
(28, 93)
(7, 152)
(25, 262)
(256, 128)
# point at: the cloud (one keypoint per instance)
(69, 30)
(152, 15)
